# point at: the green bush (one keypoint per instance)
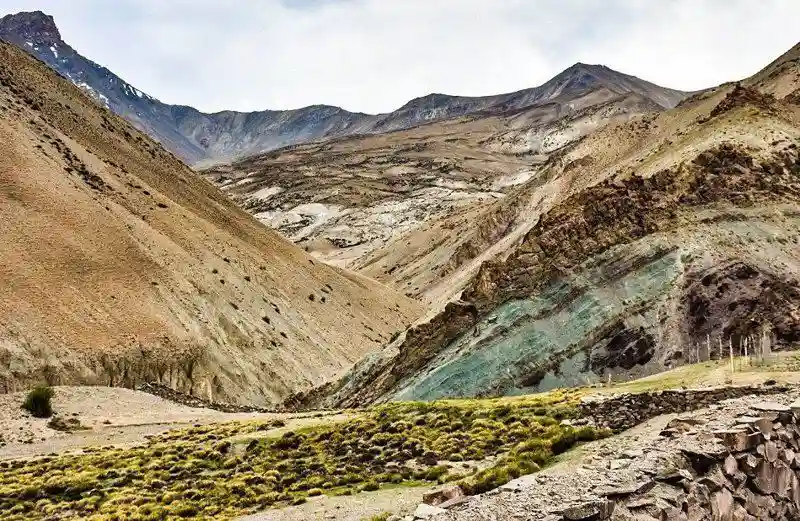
(38, 402)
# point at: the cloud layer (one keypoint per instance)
(374, 55)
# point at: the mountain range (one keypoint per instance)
(200, 138)
(595, 226)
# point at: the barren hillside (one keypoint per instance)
(647, 244)
(119, 264)
(403, 207)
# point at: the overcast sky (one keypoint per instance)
(374, 55)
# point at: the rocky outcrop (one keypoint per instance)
(741, 96)
(623, 233)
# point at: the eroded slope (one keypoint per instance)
(662, 234)
(413, 208)
(118, 264)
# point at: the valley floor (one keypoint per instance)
(121, 423)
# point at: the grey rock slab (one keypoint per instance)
(424, 511)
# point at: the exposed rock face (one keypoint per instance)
(648, 244)
(195, 136)
(737, 461)
(580, 294)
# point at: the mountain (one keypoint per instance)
(400, 206)
(120, 265)
(654, 241)
(202, 138)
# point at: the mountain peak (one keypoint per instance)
(32, 26)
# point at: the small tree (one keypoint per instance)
(37, 402)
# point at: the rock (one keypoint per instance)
(714, 480)
(722, 505)
(442, 495)
(764, 425)
(731, 466)
(633, 453)
(675, 476)
(795, 407)
(424, 511)
(641, 502)
(618, 464)
(772, 478)
(770, 407)
(770, 451)
(739, 440)
(591, 511)
(625, 490)
(453, 502)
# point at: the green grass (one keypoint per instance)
(199, 473)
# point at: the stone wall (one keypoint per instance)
(750, 474)
(736, 460)
(628, 410)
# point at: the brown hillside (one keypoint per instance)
(118, 264)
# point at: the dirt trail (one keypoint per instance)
(348, 508)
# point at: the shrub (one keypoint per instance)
(38, 402)
(370, 486)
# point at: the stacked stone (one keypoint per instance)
(624, 411)
(747, 473)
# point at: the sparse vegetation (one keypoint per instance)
(38, 402)
(60, 423)
(226, 470)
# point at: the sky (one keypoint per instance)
(375, 55)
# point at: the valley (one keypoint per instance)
(576, 301)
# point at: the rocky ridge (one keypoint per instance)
(196, 137)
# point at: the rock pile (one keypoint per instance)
(628, 410)
(750, 473)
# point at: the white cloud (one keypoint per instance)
(374, 55)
